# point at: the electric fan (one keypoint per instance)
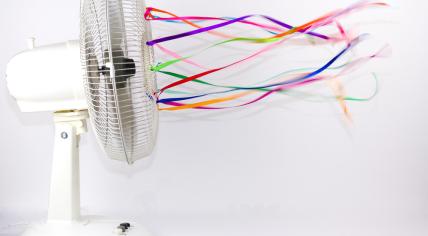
(114, 75)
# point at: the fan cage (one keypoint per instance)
(119, 84)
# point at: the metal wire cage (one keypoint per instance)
(119, 84)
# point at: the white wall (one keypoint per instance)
(285, 168)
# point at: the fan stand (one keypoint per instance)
(64, 201)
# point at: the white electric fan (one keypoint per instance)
(112, 80)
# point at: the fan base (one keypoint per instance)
(89, 226)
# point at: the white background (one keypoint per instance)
(279, 169)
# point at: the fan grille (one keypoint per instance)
(119, 84)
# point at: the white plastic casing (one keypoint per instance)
(47, 78)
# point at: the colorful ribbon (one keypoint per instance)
(278, 37)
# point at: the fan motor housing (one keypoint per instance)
(47, 78)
